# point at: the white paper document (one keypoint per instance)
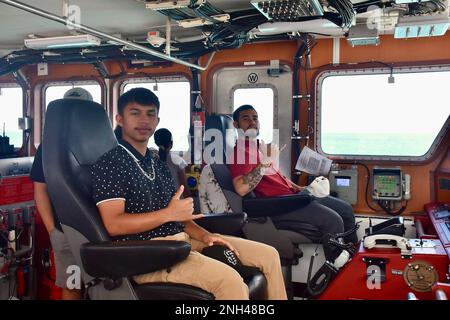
(313, 163)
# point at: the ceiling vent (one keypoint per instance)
(288, 10)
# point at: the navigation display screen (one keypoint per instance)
(343, 181)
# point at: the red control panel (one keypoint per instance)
(17, 215)
(397, 275)
(439, 215)
(15, 190)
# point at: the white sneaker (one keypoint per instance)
(342, 259)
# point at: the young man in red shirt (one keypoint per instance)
(254, 169)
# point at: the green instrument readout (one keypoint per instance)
(387, 184)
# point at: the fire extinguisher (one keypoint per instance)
(20, 278)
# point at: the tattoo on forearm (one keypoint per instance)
(253, 178)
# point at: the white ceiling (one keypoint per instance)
(127, 17)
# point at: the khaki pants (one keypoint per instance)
(215, 277)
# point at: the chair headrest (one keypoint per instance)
(223, 124)
(76, 134)
(219, 121)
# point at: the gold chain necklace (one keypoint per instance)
(151, 176)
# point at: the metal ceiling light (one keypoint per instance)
(158, 5)
(422, 26)
(423, 19)
(198, 22)
(288, 10)
(83, 40)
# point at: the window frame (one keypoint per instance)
(7, 85)
(257, 86)
(160, 79)
(320, 78)
(73, 83)
(65, 83)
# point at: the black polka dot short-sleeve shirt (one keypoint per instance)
(116, 175)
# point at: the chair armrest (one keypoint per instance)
(114, 259)
(223, 223)
(266, 207)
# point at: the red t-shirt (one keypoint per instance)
(246, 157)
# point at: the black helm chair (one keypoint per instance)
(259, 227)
(76, 134)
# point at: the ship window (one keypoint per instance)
(11, 109)
(369, 115)
(57, 91)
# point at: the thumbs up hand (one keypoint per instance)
(177, 195)
(182, 209)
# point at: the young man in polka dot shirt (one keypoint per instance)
(137, 200)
